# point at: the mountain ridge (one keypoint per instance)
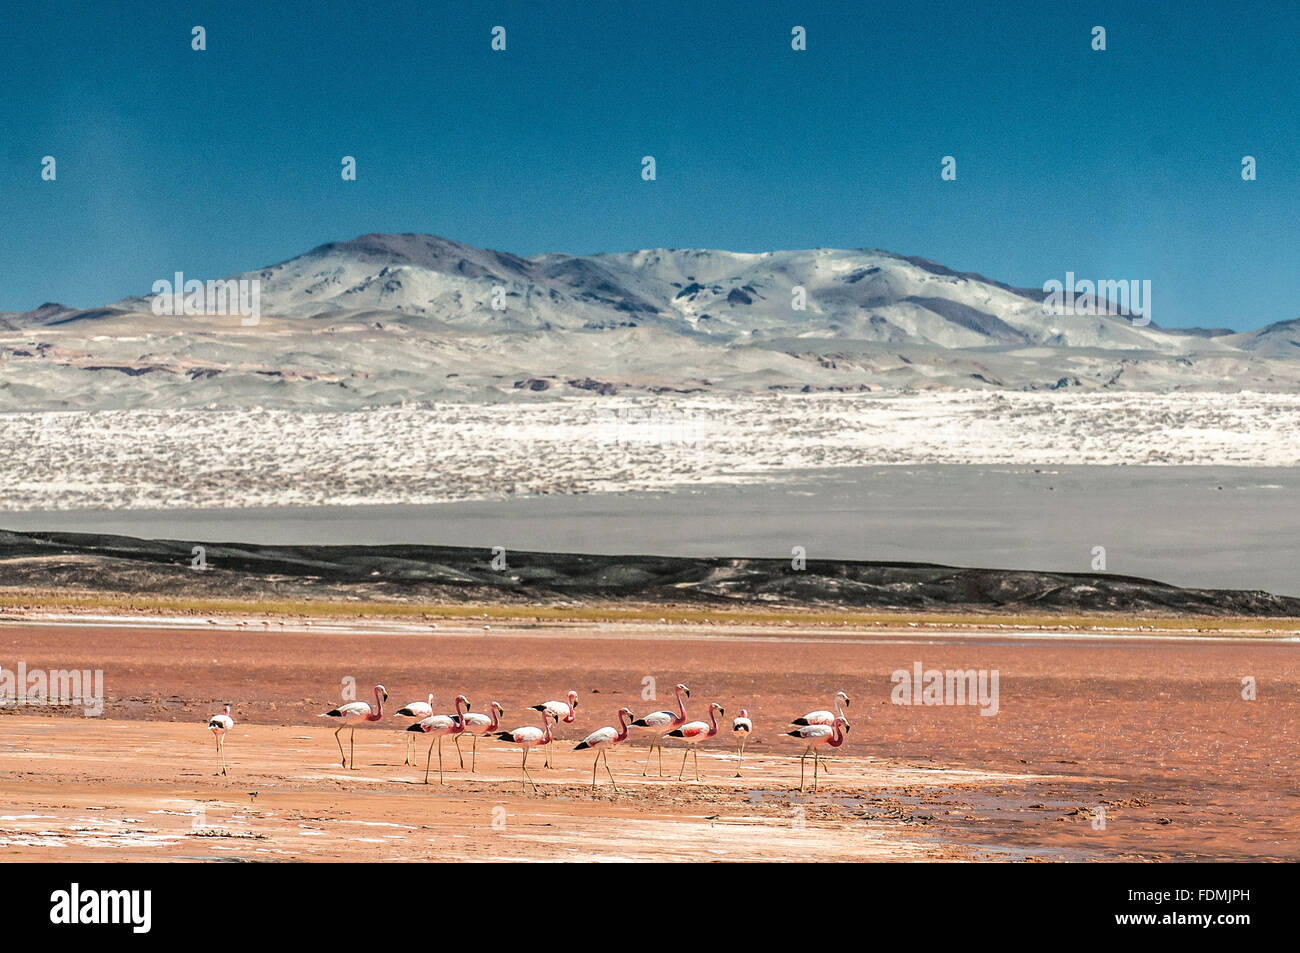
(385, 318)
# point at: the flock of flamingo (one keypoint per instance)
(815, 729)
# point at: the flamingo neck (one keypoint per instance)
(713, 717)
(622, 727)
(496, 719)
(837, 737)
(379, 705)
(681, 705)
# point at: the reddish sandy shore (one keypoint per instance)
(1155, 732)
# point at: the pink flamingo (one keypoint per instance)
(439, 726)
(693, 733)
(602, 739)
(479, 724)
(219, 725)
(353, 714)
(565, 712)
(816, 735)
(824, 717)
(418, 711)
(529, 737)
(741, 727)
(659, 722)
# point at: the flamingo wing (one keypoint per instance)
(560, 710)
(691, 730)
(350, 710)
(434, 724)
(528, 736)
(815, 718)
(656, 719)
(813, 734)
(599, 737)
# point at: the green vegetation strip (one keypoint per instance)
(110, 603)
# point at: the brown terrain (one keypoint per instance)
(1151, 728)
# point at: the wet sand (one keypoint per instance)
(1153, 731)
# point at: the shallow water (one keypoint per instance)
(1220, 527)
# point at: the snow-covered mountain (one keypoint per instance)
(858, 295)
(390, 318)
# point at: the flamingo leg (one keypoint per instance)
(816, 761)
(352, 748)
(696, 758)
(527, 777)
(342, 758)
(802, 759)
(683, 770)
(459, 752)
(649, 755)
(741, 755)
(610, 773)
(428, 760)
(593, 770)
(473, 765)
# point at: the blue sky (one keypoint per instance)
(1122, 164)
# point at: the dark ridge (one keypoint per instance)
(1196, 332)
(413, 573)
(91, 315)
(972, 319)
